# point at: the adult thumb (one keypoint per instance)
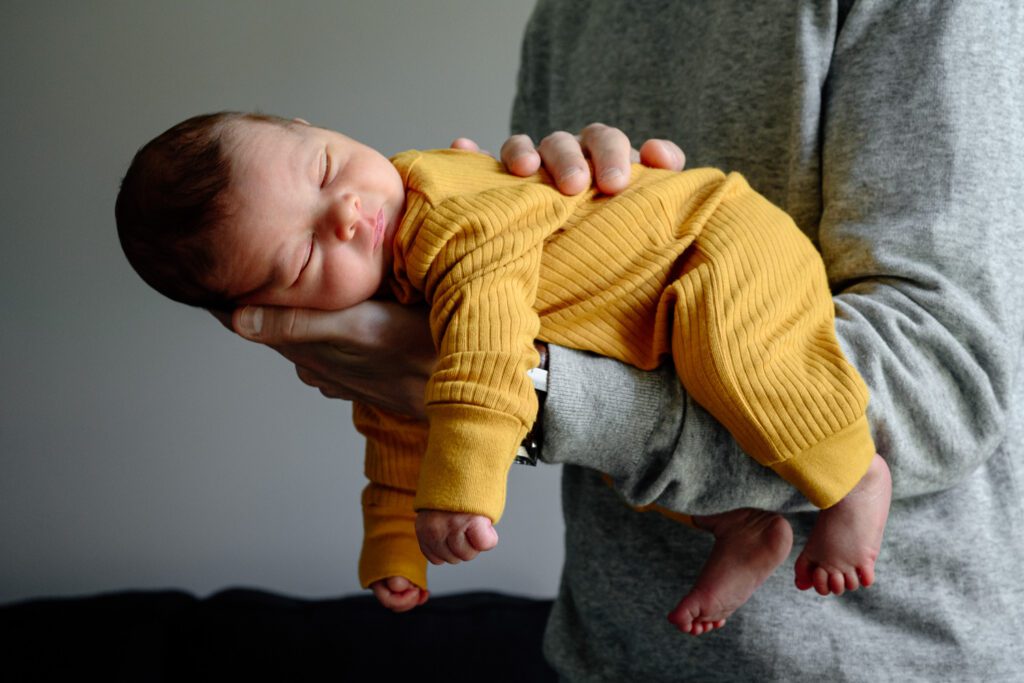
(247, 321)
(275, 325)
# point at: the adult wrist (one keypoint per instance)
(530, 449)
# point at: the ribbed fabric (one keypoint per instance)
(394, 447)
(695, 265)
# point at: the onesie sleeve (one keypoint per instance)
(394, 449)
(480, 401)
(471, 245)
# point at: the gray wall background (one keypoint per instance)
(141, 445)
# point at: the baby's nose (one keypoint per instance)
(344, 215)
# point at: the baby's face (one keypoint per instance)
(311, 217)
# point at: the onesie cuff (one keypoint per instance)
(830, 469)
(390, 547)
(469, 452)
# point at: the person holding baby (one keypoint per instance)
(890, 134)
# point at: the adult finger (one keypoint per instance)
(519, 156)
(465, 144)
(309, 378)
(327, 388)
(610, 152)
(662, 154)
(563, 158)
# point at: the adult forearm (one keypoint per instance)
(922, 228)
(643, 430)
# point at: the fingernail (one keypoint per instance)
(571, 172)
(251, 321)
(613, 172)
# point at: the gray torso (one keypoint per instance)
(892, 133)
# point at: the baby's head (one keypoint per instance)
(230, 208)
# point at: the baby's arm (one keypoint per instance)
(394, 448)
(453, 537)
(476, 260)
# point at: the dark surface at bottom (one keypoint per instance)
(252, 635)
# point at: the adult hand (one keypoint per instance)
(377, 352)
(565, 156)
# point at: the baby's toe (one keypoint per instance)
(836, 583)
(820, 579)
(866, 575)
(802, 570)
(681, 617)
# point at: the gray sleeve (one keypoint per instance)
(922, 233)
(643, 430)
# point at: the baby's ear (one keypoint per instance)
(303, 121)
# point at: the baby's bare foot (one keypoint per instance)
(749, 545)
(844, 544)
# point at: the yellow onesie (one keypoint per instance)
(693, 264)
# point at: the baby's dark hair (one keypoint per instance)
(171, 201)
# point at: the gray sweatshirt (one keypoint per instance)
(893, 133)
